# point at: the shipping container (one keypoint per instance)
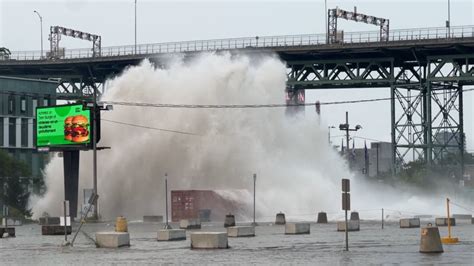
(191, 204)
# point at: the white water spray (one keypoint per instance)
(298, 172)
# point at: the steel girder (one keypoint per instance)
(77, 89)
(426, 98)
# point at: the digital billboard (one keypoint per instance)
(62, 126)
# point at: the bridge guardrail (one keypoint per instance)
(258, 42)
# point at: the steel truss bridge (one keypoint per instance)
(425, 70)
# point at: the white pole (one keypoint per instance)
(135, 26)
(41, 32)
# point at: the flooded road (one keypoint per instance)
(324, 245)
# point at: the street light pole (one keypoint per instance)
(135, 26)
(326, 18)
(329, 134)
(449, 18)
(254, 186)
(41, 27)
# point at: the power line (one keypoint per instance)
(229, 106)
(152, 128)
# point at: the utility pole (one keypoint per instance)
(347, 130)
(135, 26)
(329, 134)
(345, 127)
(448, 23)
(254, 186)
(167, 226)
(326, 19)
(41, 28)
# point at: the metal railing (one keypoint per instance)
(264, 42)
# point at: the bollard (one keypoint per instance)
(430, 240)
(322, 218)
(354, 216)
(280, 218)
(229, 220)
(121, 224)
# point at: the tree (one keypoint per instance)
(13, 191)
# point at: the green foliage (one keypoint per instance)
(14, 190)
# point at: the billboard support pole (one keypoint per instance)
(94, 147)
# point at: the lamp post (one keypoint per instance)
(135, 26)
(448, 23)
(345, 127)
(41, 28)
(329, 134)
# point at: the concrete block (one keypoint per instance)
(209, 240)
(297, 228)
(229, 220)
(410, 223)
(240, 231)
(467, 217)
(354, 216)
(444, 221)
(322, 218)
(11, 222)
(112, 239)
(153, 219)
(10, 231)
(352, 226)
(280, 218)
(430, 240)
(171, 234)
(51, 230)
(190, 224)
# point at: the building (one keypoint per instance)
(19, 98)
(377, 161)
(447, 143)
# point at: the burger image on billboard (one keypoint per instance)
(80, 132)
(68, 128)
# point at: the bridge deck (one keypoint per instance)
(403, 46)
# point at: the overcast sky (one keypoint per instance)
(163, 21)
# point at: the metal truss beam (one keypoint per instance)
(77, 89)
(375, 72)
(426, 99)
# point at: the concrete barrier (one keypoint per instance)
(52, 230)
(355, 216)
(153, 219)
(10, 231)
(209, 240)
(240, 231)
(352, 226)
(280, 218)
(112, 239)
(171, 234)
(190, 224)
(322, 218)
(430, 241)
(297, 228)
(11, 222)
(463, 218)
(229, 220)
(444, 221)
(410, 223)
